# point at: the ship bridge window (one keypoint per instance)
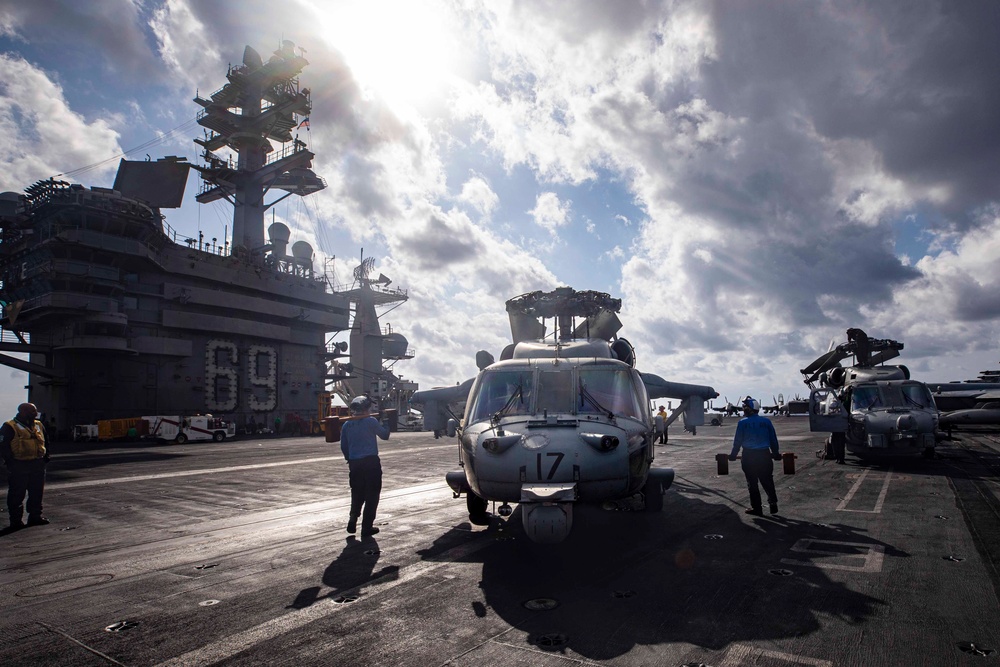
(510, 389)
(865, 398)
(608, 390)
(917, 395)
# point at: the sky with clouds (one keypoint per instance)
(752, 178)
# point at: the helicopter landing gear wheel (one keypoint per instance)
(478, 515)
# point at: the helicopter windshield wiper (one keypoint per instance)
(584, 394)
(518, 394)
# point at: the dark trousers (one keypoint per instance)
(759, 467)
(366, 486)
(25, 477)
(662, 436)
(839, 443)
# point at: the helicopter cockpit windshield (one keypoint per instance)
(865, 398)
(604, 390)
(594, 390)
(917, 395)
(506, 391)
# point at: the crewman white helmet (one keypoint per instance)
(751, 404)
(360, 405)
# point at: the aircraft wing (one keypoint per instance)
(434, 403)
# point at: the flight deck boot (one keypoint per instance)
(352, 524)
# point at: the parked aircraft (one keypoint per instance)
(874, 410)
(732, 410)
(560, 419)
(969, 403)
(775, 407)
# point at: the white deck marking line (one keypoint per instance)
(80, 643)
(234, 644)
(873, 556)
(213, 471)
(842, 507)
(738, 655)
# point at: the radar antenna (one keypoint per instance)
(362, 270)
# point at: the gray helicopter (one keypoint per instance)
(558, 420)
(874, 410)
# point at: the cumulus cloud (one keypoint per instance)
(477, 193)
(550, 213)
(43, 136)
(106, 34)
(771, 150)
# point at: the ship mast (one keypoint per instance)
(260, 104)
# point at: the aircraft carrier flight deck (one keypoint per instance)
(236, 553)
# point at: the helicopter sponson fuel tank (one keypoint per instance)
(561, 421)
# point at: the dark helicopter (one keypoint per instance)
(561, 419)
(872, 409)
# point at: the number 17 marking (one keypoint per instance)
(555, 464)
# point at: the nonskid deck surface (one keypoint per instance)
(236, 553)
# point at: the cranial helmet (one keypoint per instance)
(751, 404)
(360, 405)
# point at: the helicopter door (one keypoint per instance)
(826, 412)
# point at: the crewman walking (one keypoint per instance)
(756, 436)
(357, 442)
(22, 447)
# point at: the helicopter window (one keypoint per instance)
(500, 389)
(611, 389)
(865, 398)
(918, 395)
(555, 391)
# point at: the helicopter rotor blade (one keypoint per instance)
(884, 355)
(825, 362)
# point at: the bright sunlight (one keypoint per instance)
(402, 51)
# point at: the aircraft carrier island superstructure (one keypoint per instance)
(121, 317)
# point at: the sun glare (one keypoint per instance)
(400, 50)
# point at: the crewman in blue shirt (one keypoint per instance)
(357, 442)
(756, 436)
